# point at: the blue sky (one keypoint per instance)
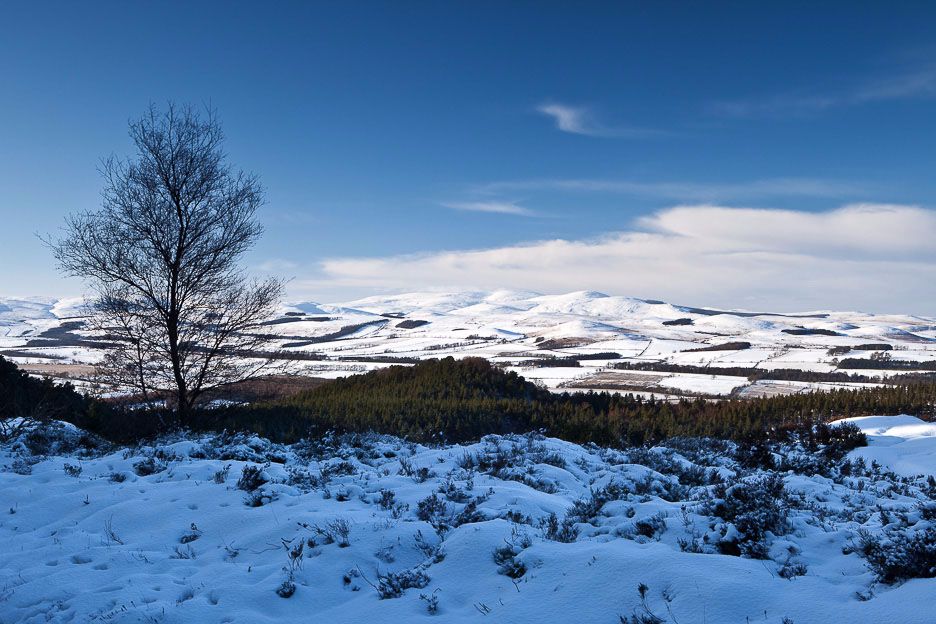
(470, 137)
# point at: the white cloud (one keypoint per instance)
(568, 118)
(581, 120)
(686, 191)
(497, 207)
(870, 257)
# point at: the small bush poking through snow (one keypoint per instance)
(507, 563)
(220, 476)
(286, 589)
(251, 478)
(652, 526)
(901, 555)
(432, 601)
(393, 584)
(191, 535)
(293, 564)
(148, 466)
(432, 552)
(565, 531)
(431, 509)
(259, 498)
(753, 506)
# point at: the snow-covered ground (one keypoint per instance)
(515, 328)
(904, 443)
(375, 529)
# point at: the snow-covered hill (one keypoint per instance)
(522, 330)
(512, 529)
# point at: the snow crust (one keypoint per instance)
(88, 537)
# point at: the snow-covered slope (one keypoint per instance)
(379, 530)
(520, 329)
(904, 443)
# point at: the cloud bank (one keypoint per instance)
(872, 257)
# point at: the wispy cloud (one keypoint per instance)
(497, 207)
(866, 256)
(686, 191)
(919, 83)
(582, 120)
(914, 82)
(276, 265)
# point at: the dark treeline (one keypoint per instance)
(26, 397)
(574, 360)
(887, 364)
(463, 400)
(739, 345)
(779, 374)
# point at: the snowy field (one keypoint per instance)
(512, 529)
(518, 329)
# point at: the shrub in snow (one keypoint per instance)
(507, 563)
(432, 552)
(55, 438)
(754, 455)
(148, 466)
(587, 509)
(22, 466)
(650, 527)
(387, 499)
(286, 589)
(840, 439)
(643, 614)
(900, 555)
(452, 492)
(753, 506)
(338, 469)
(431, 509)
(790, 570)
(469, 513)
(565, 531)
(72, 470)
(293, 564)
(338, 530)
(191, 535)
(432, 601)
(419, 475)
(183, 552)
(393, 584)
(259, 498)
(220, 476)
(251, 478)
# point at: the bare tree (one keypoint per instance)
(162, 256)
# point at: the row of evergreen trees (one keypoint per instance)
(462, 400)
(25, 397)
(796, 374)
